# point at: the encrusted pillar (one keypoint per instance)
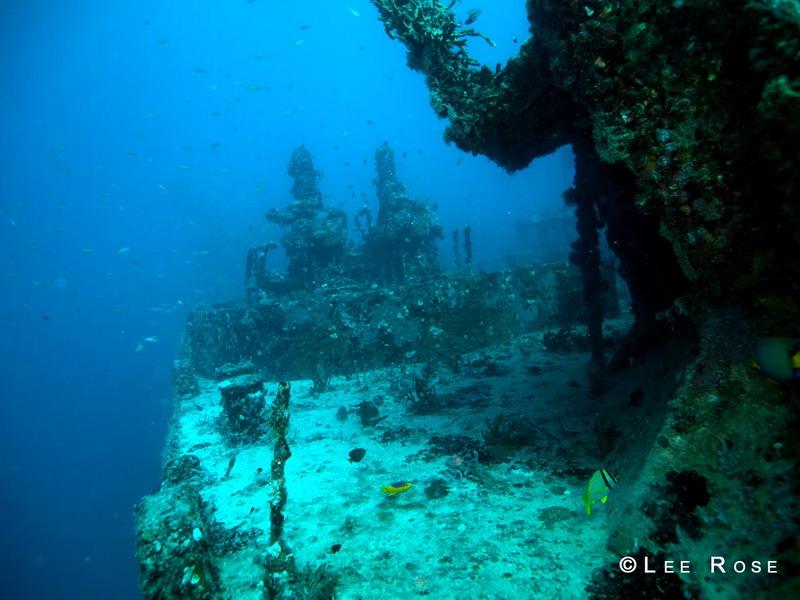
(279, 565)
(586, 249)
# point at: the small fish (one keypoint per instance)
(599, 485)
(161, 188)
(304, 27)
(357, 454)
(335, 548)
(45, 317)
(778, 359)
(353, 11)
(139, 347)
(514, 39)
(153, 339)
(472, 16)
(124, 250)
(200, 70)
(398, 487)
(87, 250)
(299, 42)
(162, 41)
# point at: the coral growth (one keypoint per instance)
(174, 555)
(683, 98)
(402, 245)
(685, 125)
(243, 405)
(316, 240)
(183, 376)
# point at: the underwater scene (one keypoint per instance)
(368, 299)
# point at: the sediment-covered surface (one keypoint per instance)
(498, 453)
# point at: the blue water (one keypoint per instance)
(142, 143)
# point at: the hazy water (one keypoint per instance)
(142, 143)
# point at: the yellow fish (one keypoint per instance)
(398, 487)
(600, 483)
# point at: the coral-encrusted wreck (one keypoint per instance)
(685, 121)
(684, 117)
(343, 314)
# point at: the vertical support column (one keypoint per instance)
(279, 567)
(586, 249)
(468, 248)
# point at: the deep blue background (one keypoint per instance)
(142, 143)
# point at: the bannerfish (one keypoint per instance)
(398, 487)
(778, 358)
(357, 454)
(600, 483)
